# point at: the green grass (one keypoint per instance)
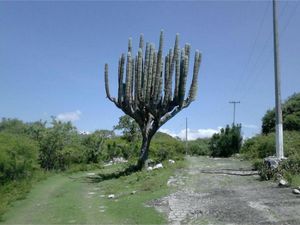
(72, 199)
(17, 190)
(296, 180)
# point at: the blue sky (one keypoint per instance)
(52, 56)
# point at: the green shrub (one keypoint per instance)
(56, 145)
(18, 156)
(227, 142)
(163, 147)
(262, 146)
(199, 147)
(290, 114)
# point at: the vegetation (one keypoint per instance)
(263, 145)
(30, 152)
(227, 142)
(142, 96)
(75, 199)
(290, 115)
(199, 146)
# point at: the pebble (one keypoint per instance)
(111, 196)
(283, 183)
(296, 191)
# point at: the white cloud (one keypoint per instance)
(192, 134)
(69, 116)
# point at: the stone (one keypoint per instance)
(272, 162)
(111, 196)
(296, 191)
(158, 166)
(171, 161)
(91, 174)
(149, 168)
(283, 183)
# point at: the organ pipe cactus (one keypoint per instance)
(146, 93)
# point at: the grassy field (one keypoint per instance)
(75, 199)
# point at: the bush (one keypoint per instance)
(262, 146)
(18, 157)
(227, 142)
(163, 147)
(56, 145)
(199, 147)
(290, 114)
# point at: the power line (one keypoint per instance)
(258, 59)
(253, 47)
(268, 59)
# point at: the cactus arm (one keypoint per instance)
(107, 86)
(128, 78)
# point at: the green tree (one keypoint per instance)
(290, 115)
(53, 142)
(129, 128)
(94, 144)
(227, 142)
(13, 126)
(18, 156)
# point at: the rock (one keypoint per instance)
(296, 191)
(272, 162)
(149, 168)
(119, 160)
(108, 164)
(91, 174)
(283, 183)
(149, 162)
(111, 196)
(171, 161)
(158, 166)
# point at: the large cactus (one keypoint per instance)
(146, 94)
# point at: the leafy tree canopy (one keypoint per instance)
(290, 115)
(129, 128)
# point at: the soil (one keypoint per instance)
(226, 191)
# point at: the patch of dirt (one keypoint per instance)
(226, 191)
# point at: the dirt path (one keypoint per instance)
(226, 191)
(58, 200)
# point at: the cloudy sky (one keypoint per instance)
(53, 54)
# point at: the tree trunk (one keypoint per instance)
(144, 151)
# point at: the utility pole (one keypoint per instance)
(186, 136)
(234, 103)
(278, 111)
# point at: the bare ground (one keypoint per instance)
(226, 191)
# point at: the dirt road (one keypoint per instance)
(226, 191)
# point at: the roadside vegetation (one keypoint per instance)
(30, 152)
(263, 145)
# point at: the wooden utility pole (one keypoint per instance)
(186, 136)
(278, 111)
(234, 103)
